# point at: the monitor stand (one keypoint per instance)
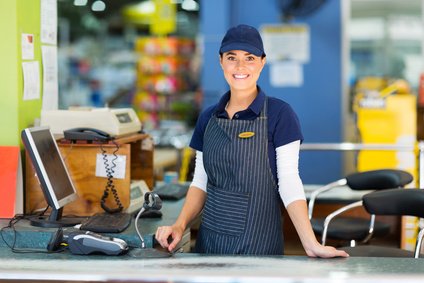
(148, 253)
(54, 220)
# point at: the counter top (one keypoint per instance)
(36, 237)
(198, 268)
(30, 237)
(188, 267)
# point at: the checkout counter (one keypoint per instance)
(197, 268)
(31, 237)
(187, 267)
(182, 267)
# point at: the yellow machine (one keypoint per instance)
(386, 116)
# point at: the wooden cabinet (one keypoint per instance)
(81, 159)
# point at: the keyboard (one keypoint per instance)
(107, 222)
(171, 191)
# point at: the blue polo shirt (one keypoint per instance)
(283, 124)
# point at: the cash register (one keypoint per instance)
(114, 121)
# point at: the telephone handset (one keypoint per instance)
(88, 134)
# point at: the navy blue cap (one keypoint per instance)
(243, 37)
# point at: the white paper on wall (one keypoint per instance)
(31, 77)
(48, 14)
(27, 46)
(286, 74)
(50, 78)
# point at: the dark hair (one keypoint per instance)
(262, 56)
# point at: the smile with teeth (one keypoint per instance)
(239, 76)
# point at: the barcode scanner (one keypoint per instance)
(151, 201)
(152, 205)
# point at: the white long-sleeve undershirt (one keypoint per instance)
(289, 183)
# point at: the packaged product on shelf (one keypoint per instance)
(163, 75)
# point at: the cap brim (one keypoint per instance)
(242, 46)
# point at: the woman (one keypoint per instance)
(247, 149)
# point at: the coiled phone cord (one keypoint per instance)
(109, 184)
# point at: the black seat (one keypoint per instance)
(358, 229)
(399, 202)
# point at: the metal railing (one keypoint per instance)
(419, 148)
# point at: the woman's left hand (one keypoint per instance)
(298, 213)
(321, 251)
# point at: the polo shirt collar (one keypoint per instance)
(255, 106)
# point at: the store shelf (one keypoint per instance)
(164, 79)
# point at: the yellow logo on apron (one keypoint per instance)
(246, 135)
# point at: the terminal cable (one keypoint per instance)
(12, 246)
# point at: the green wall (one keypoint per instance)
(17, 17)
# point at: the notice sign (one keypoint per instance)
(286, 42)
(111, 165)
(50, 78)
(27, 46)
(286, 74)
(31, 74)
(164, 20)
(48, 14)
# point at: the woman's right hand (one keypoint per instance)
(169, 236)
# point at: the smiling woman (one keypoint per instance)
(243, 143)
(241, 70)
(242, 59)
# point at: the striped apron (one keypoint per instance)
(242, 210)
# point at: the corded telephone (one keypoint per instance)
(88, 134)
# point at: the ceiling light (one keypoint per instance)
(80, 2)
(146, 7)
(190, 5)
(98, 6)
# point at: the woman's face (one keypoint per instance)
(241, 69)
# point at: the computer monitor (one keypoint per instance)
(54, 178)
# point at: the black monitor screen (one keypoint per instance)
(51, 170)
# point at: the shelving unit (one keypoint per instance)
(164, 79)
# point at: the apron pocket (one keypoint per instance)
(225, 212)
